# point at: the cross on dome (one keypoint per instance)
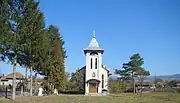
(94, 34)
(93, 42)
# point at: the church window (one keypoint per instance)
(91, 63)
(93, 75)
(93, 53)
(102, 81)
(96, 63)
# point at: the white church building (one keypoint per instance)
(95, 73)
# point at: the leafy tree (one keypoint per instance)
(24, 40)
(133, 69)
(117, 86)
(159, 85)
(30, 30)
(158, 80)
(21, 38)
(114, 87)
(141, 75)
(34, 29)
(11, 13)
(72, 84)
(77, 81)
(5, 28)
(172, 83)
(66, 80)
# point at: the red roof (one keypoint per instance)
(17, 75)
(2, 77)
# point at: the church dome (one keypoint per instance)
(93, 45)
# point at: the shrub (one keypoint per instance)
(159, 85)
(70, 92)
(2, 88)
(168, 89)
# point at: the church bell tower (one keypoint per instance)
(93, 54)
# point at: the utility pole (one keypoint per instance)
(155, 79)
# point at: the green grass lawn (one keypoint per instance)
(113, 98)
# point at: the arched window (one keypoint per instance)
(93, 53)
(91, 63)
(102, 81)
(96, 63)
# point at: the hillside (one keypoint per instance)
(151, 78)
(165, 77)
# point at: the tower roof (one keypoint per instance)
(93, 45)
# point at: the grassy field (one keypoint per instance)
(113, 98)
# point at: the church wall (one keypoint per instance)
(98, 72)
(104, 72)
(90, 71)
(87, 74)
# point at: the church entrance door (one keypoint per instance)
(93, 88)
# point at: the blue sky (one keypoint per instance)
(148, 27)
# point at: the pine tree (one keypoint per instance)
(55, 69)
(25, 40)
(133, 69)
(23, 29)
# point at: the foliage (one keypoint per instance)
(53, 64)
(2, 88)
(118, 86)
(172, 83)
(76, 82)
(66, 80)
(133, 69)
(158, 80)
(24, 21)
(70, 92)
(24, 38)
(159, 85)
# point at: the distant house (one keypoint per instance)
(178, 85)
(7, 80)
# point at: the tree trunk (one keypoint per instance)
(14, 79)
(119, 89)
(6, 94)
(134, 86)
(26, 73)
(141, 83)
(0, 78)
(35, 80)
(22, 90)
(30, 81)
